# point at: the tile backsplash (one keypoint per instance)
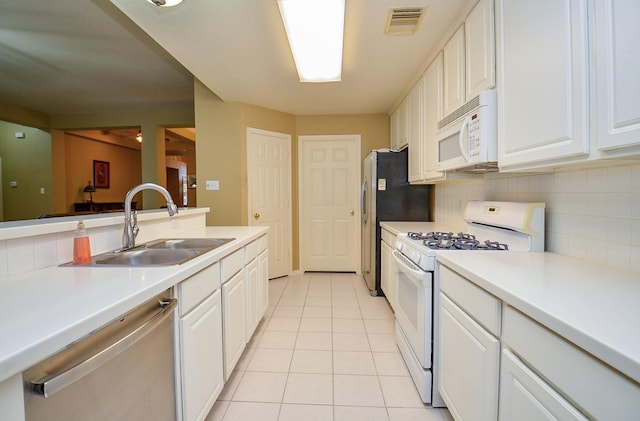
(590, 213)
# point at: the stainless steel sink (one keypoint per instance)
(148, 257)
(165, 252)
(188, 243)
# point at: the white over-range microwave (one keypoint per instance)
(467, 138)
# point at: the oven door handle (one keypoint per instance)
(404, 263)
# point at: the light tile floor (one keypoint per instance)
(325, 351)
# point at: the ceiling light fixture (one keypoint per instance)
(139, 137)
(166, 3)
(315, 29)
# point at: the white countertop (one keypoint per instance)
(43, 311)
(594, 306)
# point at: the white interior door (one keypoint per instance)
(329, 203)
(269, 181)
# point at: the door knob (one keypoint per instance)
(256, 215)
(352, 212)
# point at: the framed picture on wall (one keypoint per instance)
(101, 174)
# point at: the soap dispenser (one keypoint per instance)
(81, 246)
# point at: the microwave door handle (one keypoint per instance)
(464, 135)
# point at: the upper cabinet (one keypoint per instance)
(399, 122)
(426, 97)
(454, 77)
(542, 80)
(480, 63)
(469, 58)
(617, 55)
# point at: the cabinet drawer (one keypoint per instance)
(251, 251)
(482, 306)
(388, 237)
(594, 387)
(198, 287)
(232, 264)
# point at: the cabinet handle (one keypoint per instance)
(351, 212)
(256, 215)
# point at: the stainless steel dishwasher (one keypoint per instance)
(122, 371)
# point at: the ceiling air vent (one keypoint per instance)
(403, 20)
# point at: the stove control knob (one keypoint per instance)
(415, 257)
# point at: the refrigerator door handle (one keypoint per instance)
(363, 198)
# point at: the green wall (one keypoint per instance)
(28, 162)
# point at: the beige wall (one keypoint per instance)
(221, 150)
(125, 168)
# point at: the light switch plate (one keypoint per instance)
(212, 185)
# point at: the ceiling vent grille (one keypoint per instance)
(403, 20)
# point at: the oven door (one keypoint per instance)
(414, 311)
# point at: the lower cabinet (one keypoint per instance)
(200, 352)
(495, 362)
(234, 320)
(388, 281)
(469, 365)
(525, 396)
(263, 297)
(201, 359)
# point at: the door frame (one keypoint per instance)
(357, 138)
(289, 190)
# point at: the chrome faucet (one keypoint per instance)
(131, 227)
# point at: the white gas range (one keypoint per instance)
(492, 227)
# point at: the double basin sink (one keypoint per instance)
(165, 252)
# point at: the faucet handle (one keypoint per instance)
(135, 228)
(172, 208)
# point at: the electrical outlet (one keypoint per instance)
(212, 185)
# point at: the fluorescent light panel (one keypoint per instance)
(315, 29)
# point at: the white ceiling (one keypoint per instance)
(68, 56)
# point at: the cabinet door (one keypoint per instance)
(618, 85)
(468, 366)
(480, 57)
(264, 282)
(234, 321)
(399, 126)
(525, 396)
(253, 296)
(543, 104)
(453, 58)
(201, 358)
(387, 274)
(432, 96)
(415, 132)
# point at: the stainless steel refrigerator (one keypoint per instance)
(386, 196)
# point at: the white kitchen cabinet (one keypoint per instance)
(263, 266)
(561, 369)
(399, 122)
(454, 77)
(480, 56)
(234, 319)
(252, 272)
(542, 81)
(201, 358)
(423, 148)
(469, 365)
(617, 54)
(415, 132)
(388, 280)
(525, 396)
(200, 342)
(469, 348)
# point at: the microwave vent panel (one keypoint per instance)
(475, 102)
(403, 20)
